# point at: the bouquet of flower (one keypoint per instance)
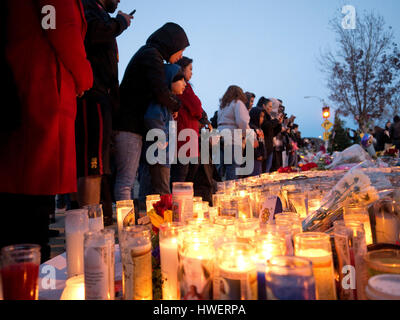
(308, 166)
(360, 184)
(287, 170)
(161, 213)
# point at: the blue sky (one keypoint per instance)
(266, 47)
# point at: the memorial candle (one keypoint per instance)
(316, 247)
(169, 233)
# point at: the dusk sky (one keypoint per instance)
(266, 47)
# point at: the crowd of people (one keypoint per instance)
(74, 131)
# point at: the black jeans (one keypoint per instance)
(25, 219)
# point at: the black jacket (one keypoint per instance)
(271, 127)
(144, 78)
(101, 47)
(395, 131)
(255, 114)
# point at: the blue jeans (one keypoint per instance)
(229, 170)
(128, 149)
(269, 162)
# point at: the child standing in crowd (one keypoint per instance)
(188, 118)
(159, 117)
(257, 117)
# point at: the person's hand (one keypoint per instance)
(210, 127)
(175, 115)
(80, 95)
(256, 144)
(127, 17)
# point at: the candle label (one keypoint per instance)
(137, 274)
(271, 206)
(182, 208)
(237, 285)
(195, 278)
(351, 252)
(97, 284)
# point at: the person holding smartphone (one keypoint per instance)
(96, 107)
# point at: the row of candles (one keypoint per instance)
(222, 252)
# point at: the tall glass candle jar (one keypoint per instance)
(246, 229)
(227, 222)
(316, 246)
(284, 231)
(99, 265)
(95, 213)
(292, 220)
(125, 215)
(76, 225)
(196, 264)
(387, 221)
(289, 278)
(19, 272)
(182, 201)
(267, 245)
(136, 262)
(356, 212)
(198, 208)
(237, 272)
(150, 200)
(383, 261)
(351, 250)
(299, 200)
(169, 233)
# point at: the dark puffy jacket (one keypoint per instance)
(144, 79)
(101, 47)
(395, 131)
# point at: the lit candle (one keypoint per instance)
(76, 224)
(136, 261)
(246, 229)
(125, 215)
(237, 272)
(196, 262)
(316, 247)
(359, 213)
(74, 289)
(169, 233)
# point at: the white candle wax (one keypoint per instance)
(169, 268)
(74, 246)
(96, 224)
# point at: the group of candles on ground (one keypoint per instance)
(249, 246)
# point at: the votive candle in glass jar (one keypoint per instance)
(351, 250)
(356, 212)
(76, 225)
(196, 263)
(125, 215)
(95, 213)
(289, 278)
(150, 200)
(237, 272)
(182, 201)
(267, 245)
(246, 229)
(227, 222)
(316, 246)
(169, 233)
(136, 262)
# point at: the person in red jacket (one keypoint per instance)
(188, 118)
(37, 159)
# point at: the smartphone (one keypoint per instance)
(132, 13)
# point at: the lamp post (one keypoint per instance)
(325, 114)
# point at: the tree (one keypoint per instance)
(364, 73)
(339, 139)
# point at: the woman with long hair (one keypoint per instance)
(233, 115)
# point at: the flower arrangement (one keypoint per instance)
(161, 213)
(287, 170)
(308, 166)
